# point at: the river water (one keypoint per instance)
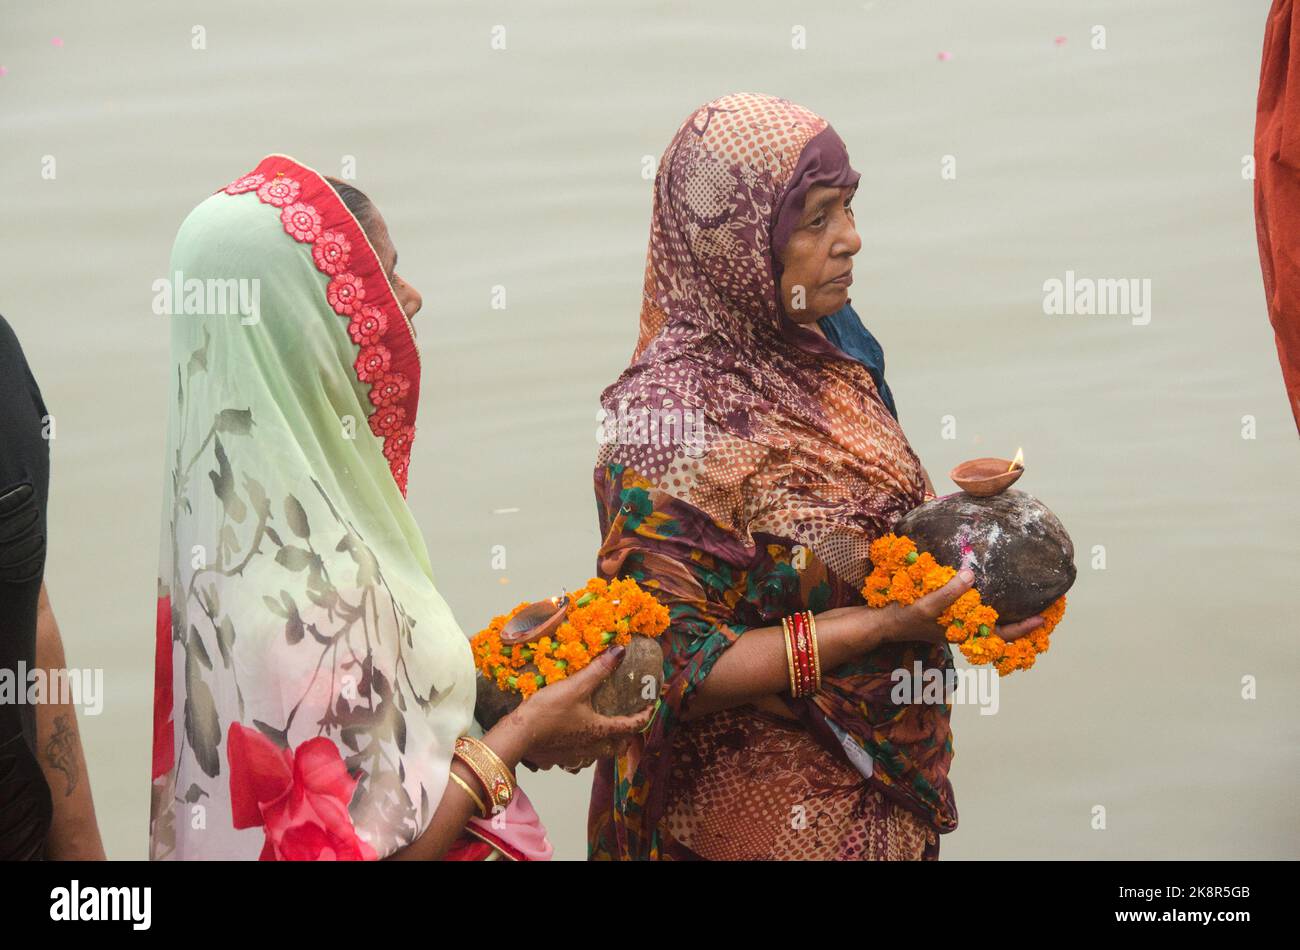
(522, 168)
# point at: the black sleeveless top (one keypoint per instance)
(25, 806)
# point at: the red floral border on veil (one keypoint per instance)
(388, 361)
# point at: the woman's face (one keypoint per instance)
(408, 298)
(817, 261)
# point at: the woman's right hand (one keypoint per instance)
(919, 620)
(558, 726)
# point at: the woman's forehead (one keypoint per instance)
(825, 194)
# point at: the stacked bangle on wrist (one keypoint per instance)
(474, 797)
(816, 654)
(802, 660)
(489, 769)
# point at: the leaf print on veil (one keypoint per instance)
(310, 679)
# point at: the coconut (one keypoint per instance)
(639, 674)
(635, 684)
(1020, 553)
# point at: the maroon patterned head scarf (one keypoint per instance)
(793, 439)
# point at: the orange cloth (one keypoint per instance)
(1277, 187)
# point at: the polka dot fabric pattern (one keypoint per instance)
(746, 786)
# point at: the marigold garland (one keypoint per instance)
(599, 614)
(901, 575)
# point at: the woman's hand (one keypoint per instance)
(557, 726)
(919, 620)
(869, 627)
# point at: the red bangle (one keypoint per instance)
(799, 644)
(805, 663)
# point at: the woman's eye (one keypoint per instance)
(818, 221)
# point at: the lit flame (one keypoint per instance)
(1018, 461)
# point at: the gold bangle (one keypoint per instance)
(488, 768)
(491, 761)
(816, 655)
(789, 657)
(482, 809)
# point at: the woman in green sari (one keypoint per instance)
(314, 695)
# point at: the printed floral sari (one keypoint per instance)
(310, 680)
(798, 466)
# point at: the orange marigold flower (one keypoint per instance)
(1052, 615)
(936, 577)
(919, 568)
(960, 607)
(889, 551)
(1023, 652)
(876, 598)
(901, 588)
(527, 685)
(973, 650)
(875, 589)
(981, 614)
(575, 654)
(989, 649)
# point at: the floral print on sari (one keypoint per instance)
(716, 590)
(310, 681)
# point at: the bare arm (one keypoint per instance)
(554, 724)
(755, 666)
(74, 832)
(455, 810)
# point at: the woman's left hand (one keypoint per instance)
(1014, 631)
(561, 727)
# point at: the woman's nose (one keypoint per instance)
(847, 241)
(409, 298)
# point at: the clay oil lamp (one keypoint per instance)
(537, 620)
(988, 476)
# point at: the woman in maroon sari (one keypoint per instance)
(751, 461)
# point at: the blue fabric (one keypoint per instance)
(844, 329)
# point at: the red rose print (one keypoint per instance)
(331, 252)
(279, 191)
(398, 445)
(164, 728)
(247, 183)
(299, 796)
(399, 470)
(345, 293)
(387, 421)
(302, 221)
(368, 326)
(372, 362)
(389, 389)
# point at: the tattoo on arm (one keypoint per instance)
(61, 751)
